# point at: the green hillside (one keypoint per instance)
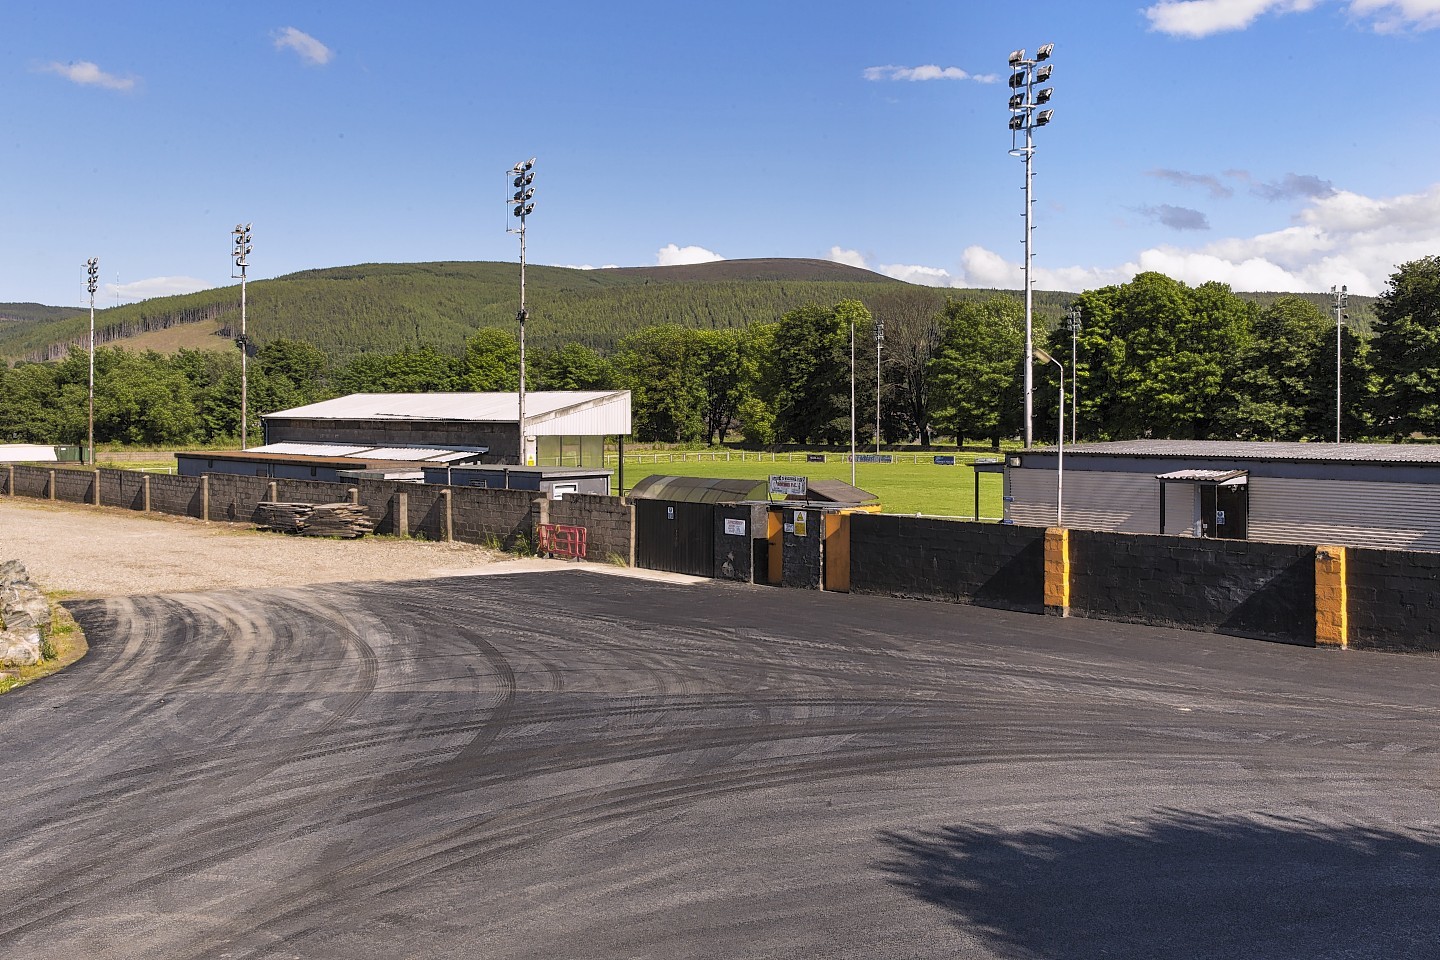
(385, 308)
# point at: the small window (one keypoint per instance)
(558, 490)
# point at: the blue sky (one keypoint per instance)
(1269, 144)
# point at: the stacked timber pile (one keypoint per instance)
(346, 520)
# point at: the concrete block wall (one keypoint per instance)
(987, 564)
(609, 524)
(31, 482)
(75, 486)
(122, 488)
(1239, 587)
(178, 496)
(233, 498)
(1393, 599)
(493, 516)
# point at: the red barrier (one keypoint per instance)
(561, 540)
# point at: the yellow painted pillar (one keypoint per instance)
(1057, 572)
(1332, 619)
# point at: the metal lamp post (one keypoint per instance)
(1044, 357)
(1025, 116)
(92, 281)
(241, 255)
(852, 399)
(1074, 323)
(879, 342)
(522, 175)
(1341, 298)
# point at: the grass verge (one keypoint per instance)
(64, 645)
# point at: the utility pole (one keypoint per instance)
(92, 281)
(1341, 298)
(241, 255)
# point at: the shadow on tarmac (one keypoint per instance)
(1182, 885)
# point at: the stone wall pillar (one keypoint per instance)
(1057, 572)
(1332, 621)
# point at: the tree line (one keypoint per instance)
(1154, 357)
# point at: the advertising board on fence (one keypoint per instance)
(788, 486)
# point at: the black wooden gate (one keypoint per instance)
(675, 537)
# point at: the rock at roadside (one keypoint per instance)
(24, 616)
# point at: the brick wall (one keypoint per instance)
(609, 524)
(987, 564)
(1394, 599)
(1239, 587)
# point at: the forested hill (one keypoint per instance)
(385, 308)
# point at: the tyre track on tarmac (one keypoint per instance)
(335, 772)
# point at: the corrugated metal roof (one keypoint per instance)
(1259, 450)
(547, 412)
(835, 491)
(310, 449)
(1202, 476)
(698, 489)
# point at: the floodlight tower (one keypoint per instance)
(1025, 116)
(521, 176)
(1341, 300)
(92, 281)
(241, 255)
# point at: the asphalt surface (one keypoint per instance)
(571, 765)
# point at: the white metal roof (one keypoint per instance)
(293, 448)
(547, 412)
(1239, 450)
(310, 449)
(1203, 476)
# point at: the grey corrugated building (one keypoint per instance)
(1360, 494)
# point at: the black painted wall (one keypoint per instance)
(803, 557)
(1394, 599)
(987, 564)
(735, 553)
(1238, 587)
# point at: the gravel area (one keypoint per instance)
(105, 552)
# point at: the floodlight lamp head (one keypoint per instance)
(1018, 79)
(1044, 95)
(1043, 117)
(1017, 101)
(1044, 52)
(1017, 57)
(1017, 122)
(1043, 74)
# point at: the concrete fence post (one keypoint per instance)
(1332, 619)
(52, 485)
(447, 517)
(402, 514)
(354, 494)
(97, 486)
(10, 480)
(272, 491)
(145, 492)
(205, 498)
(1057, 572)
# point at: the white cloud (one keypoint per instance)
(911, 273)
(1340, 238)
(851, 258)
(929, 71)
(155, 287)
(1201, 18)
(671, 255)
(310, 50)
(587, 266)
(88, 74)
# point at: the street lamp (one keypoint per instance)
(92, 280)
(852, 398)
(1025, 116)
(879, 342)
(521, 176)
(240, 253)
(1341, 298)
(1073, 316)
(1044, 357)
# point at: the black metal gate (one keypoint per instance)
(675, 537)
